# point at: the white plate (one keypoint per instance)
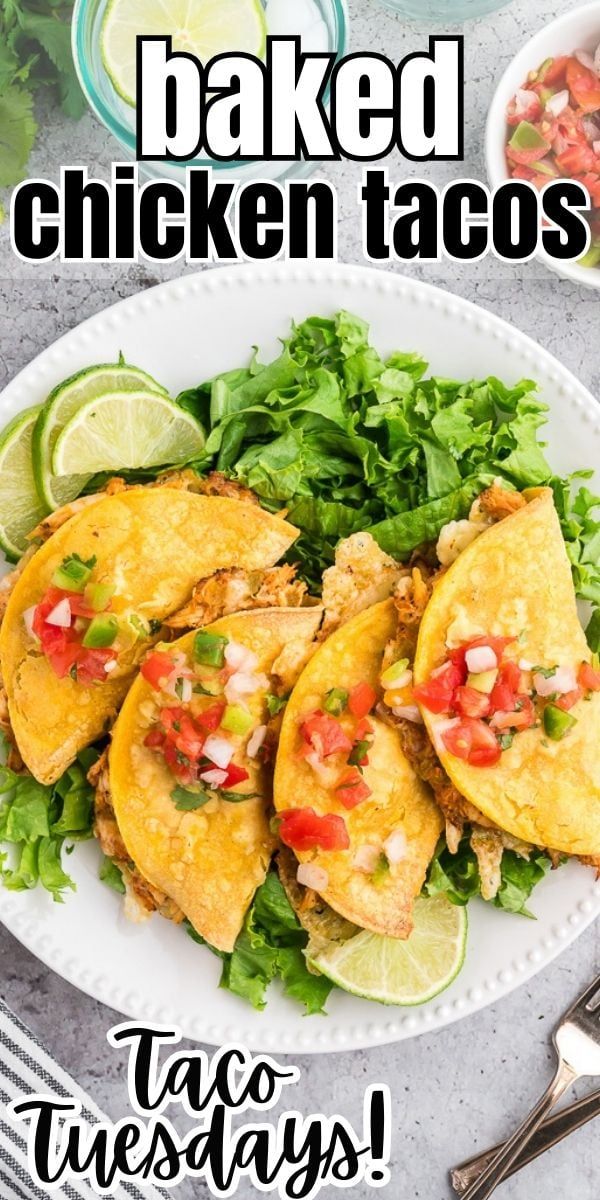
(183, 332)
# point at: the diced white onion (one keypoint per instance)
(255, 741)
(439, 729)
(409, 712)
(239, 658)
(366, 858)
(186, 691)
(214, 778)
(311, 876)
(28, 616)
(396, 846)
(239, 685)
(564, 680)
(480, 659)
(525, 664)
(585, 58)
(403, 680)
(523, 100)
(557, 103)
(597, 60)
(110, 666)
(327, 776)
(218, 750)
(60, 615)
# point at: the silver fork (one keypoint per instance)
(577, 1043)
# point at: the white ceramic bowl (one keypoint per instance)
(576, 30)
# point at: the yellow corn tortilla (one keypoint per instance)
(152, 545)
(352, 655)
(516, 580)
(210, 861)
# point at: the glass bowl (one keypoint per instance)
(443, 10)
(322, 25)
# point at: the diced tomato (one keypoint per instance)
(568, 699)
(325, 735)
(189, 740)
(155, 740)
(170, 717)
(437, 694)
(363, 730)
(63, 659)
(584, 86)
(523, 172)
(157, 667)
(556, 72)
(211, 717)
(521, 716)
(525, 157)
(589, 678)
(235, 775)
(79, 605)
(352, 789)
(474, 742)
(91, 664)
(303, 829)
(362, 699)
(468, 702)
(576, 160)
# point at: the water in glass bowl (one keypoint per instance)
(319, 23)
(443, 10)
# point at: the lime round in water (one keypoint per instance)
(204, 28)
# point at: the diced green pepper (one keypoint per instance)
(99, 595)
(544, 168)
(382, 869)
(591, 258)
(209, 648)
(336, 701)
(101, 632)
(557, 722)
(275, 704)
(73, 573)
(526, 137)
(237, 719)
(395, 672)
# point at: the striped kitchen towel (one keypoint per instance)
(25, 1067)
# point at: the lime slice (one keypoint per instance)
(127, 431)
(20, 506)
(396, 972)
(62, 404)
(204, 28)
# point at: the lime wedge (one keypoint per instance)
(396, 972)
(127, 431)
(63, 402)
(20, 506)
(204, 28)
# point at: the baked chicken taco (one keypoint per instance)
(87, 604)
(362, 825)
(185, 806)
(493, 689)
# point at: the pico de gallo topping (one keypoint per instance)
(554, 130)
(73, 623)
(303, 829)
(488, 697)
(203, 717)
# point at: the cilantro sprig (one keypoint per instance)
(35, 53)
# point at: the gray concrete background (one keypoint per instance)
(460, 1089)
